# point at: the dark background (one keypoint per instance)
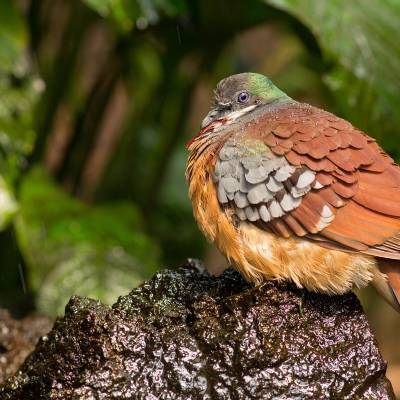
(98, 97)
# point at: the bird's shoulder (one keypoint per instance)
(299, 170)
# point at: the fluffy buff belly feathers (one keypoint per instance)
(261, 255)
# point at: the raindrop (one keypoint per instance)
(22, 277)
(178, 33)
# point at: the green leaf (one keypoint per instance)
(8, 205)
(18, 94)
(18, 98)
(360, 41)
(130, 13)
(13, 36)
(71, 248)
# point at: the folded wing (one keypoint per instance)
(301, 171)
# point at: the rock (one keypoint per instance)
(18, 339)
(186, 335)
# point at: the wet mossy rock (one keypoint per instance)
(17, 339)
(186, 335)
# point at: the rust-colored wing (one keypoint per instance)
(336, 186)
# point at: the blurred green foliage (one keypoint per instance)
(13, 35)
(98, 97)
(98, 251)
(18, 93)
(126, 14)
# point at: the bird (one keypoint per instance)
(291, 192)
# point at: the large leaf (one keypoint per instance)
(128, 13)
(8, 205)
(359, 41)
(18, 97)
(71, 248)
(13, 36)
(18, 93)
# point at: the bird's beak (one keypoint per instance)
(218, 112)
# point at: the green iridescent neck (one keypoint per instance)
(261, 86)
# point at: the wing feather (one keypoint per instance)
(351, 195)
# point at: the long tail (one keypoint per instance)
(389, 287)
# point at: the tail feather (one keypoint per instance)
(388, 285)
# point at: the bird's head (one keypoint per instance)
(242, 92)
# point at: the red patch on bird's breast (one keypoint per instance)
(209, 127)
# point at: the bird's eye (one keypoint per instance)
(243, 97)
